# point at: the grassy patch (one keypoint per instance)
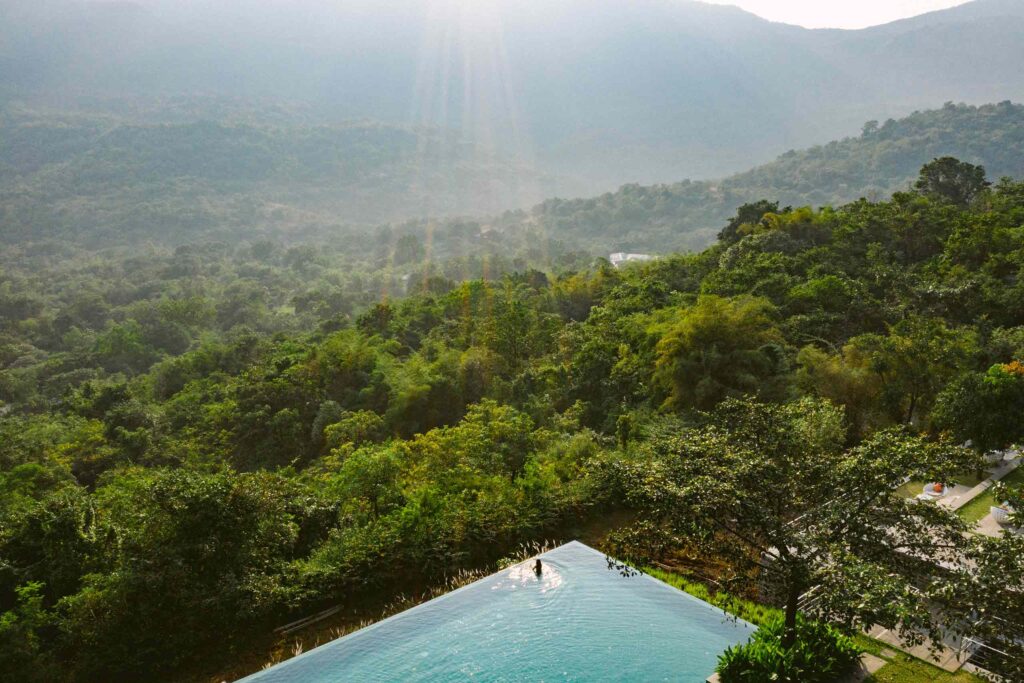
(747, 610)
(871, 646)
(906, 669)
(975, 510)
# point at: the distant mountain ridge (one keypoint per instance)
(602, 92)
(103, 180)
(884, 159)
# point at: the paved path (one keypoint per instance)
(957, 497)
(1007, 466)
(987, 525)
(946, 659)
(868, 665)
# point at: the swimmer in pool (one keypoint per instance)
(538, 568)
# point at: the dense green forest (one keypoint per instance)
(884, 159)
(309, 312)
(196, 445)
(190, 169)
(181, 169)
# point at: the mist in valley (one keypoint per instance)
(580, 96)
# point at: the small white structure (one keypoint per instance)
(1000, 514)
(995, 457)
(620, 257)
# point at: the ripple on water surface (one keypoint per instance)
(577, 621)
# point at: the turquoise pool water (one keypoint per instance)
(578, 621)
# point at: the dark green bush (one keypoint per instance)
(821, 654)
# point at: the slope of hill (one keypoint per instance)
(104, 179)
(110, 180)
(605, 91)
(883, 159)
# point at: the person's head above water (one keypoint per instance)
(538, 567)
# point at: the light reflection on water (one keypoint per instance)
(577, 621)
(523, 575)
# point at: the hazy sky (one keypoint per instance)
(838, 13)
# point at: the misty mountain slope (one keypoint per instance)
(104, 180)
(883, 159)
(969, 11)
(602, 91)
(98, 179)
(940, 57)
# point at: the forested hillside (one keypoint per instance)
(309, 309)
(604, 92)
(170, 175)
(883, 159)
(186, 462)
(104, 180)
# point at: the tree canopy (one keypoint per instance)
(255, 431)
(769, 492)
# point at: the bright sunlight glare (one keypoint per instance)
(849, 14)
(464, 83)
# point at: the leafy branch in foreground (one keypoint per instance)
(768, 493)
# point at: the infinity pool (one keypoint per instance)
(578, 621)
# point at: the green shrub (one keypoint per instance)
(821, 654)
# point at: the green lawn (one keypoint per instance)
(905, 669)
(978, 508)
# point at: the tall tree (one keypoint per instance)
(747, 215)
(915, 361)
(767, 493)
(996, 598)
(720, 347)
(984, 408)
(949, 178)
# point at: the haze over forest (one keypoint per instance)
(312, 310)
(586, 96)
